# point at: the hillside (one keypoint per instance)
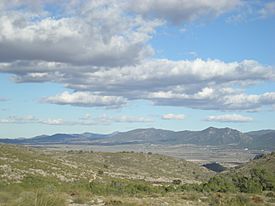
(264, 162)
(255, 176)
(81, 178)
(17, 162)
(36, 177)
(262, 139)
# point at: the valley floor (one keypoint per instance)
(227, 156)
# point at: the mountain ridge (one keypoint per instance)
(210, 136)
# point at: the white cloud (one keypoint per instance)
(229, 118)
(54, 122)
(100, 32)
(86, 99)
(173, 117)
(220, 99)
(178, 11)
(200, 84)
(158, 74)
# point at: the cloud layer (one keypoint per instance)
(99, 50)
(86, 99)
(199, 84)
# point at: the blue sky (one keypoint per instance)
(105, 66)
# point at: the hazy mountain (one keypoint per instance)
(267, 140)
(223, 136)
(57, 139)
(259, 132)
(211, 136)
(150, 135)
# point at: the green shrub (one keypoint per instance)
(256, 181)
(176, 182)
(123, 187)
(219, 184)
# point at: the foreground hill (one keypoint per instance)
(35, 177)
(263, 139)
(17, 163)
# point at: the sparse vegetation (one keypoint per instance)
(35, 177)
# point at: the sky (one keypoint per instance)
(74, 66)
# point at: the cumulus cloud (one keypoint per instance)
(161, 73)
(178, 11)
(229, 118)
(100, 32)
(173, 117)
(214, 99)
(103, 33)
(154, 74)
(86, 99)
(222, 100)
(200, 84)
(154, 71)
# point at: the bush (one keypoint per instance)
(176, 182)
(270, 194)
(254, 186)
(219, 184)
(256, 181)
(100, 172)
(123, 187)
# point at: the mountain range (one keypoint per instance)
(262, 139)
